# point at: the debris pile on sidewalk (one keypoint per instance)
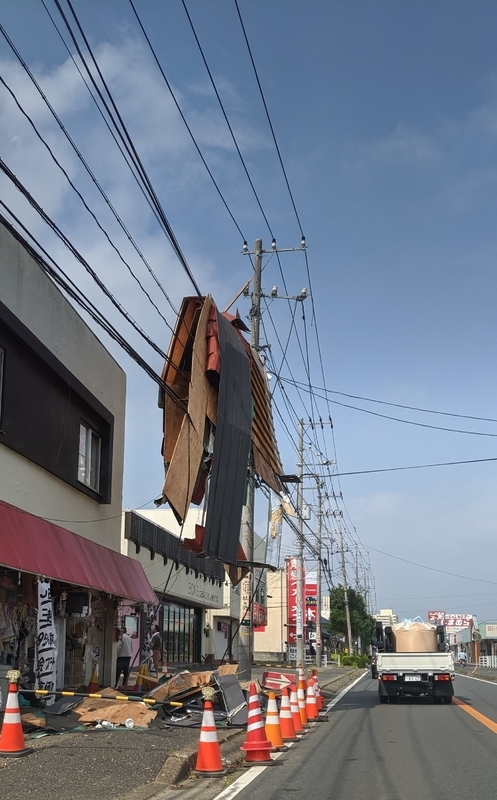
(178, 701)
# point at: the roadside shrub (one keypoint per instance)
(354, 661)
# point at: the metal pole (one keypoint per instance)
(246, 638)
(319, 643)
(300, 549)
(346, 596)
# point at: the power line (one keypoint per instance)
(22, 189)
(204, 162)
(123, 134)
(395, 405)
(82, 159)
(432, 569)
(93, 215)
(398, 419)
(418, 466)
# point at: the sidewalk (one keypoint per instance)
(122, 764)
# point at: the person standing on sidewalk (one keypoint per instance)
(156, 645)
(124, 653)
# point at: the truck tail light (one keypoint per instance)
(442, 677)
(387, 677)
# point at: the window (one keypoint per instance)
(89, 457)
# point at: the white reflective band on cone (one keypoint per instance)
(208, 736)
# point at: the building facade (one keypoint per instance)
(192, 592)
(62, 407)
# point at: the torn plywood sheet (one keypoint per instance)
(117, 713)
(211, 364)
(190, 350)
(227, 669)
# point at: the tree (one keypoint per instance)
(362, 623)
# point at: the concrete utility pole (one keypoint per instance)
(319, 641)
(246, 638)
(300, 553)
(346, 595)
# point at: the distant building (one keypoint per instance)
(386, 616)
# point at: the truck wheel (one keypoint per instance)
(393, 698)
(383, 698)
(448, 699)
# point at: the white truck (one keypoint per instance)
(415, 674)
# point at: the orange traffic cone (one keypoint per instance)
(310, 703)
(294, 705)
(93, 685)
(209, 761)
(302, 677)
(12, 737)
(257, 748)
(286, 719)
(273, 727)
(302, 708)
(319, 696)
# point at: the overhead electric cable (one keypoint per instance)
(418, 466)
(93, 215)
(126, 138)
(397, 419)
(432, 569)
(21, 188)
(84, 163)
(395, 405)
(127, 158)
(175, 100)
(63, 280)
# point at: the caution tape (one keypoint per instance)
(97, 696)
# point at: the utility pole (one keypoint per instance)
(319, 641)
(246, 634)
(346, 595)
(246, 639)
(300, 553)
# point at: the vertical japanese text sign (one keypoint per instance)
(46, 637)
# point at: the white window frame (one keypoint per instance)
(90, 449)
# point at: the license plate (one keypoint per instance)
(412, 677)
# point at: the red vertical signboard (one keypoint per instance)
(291, 584)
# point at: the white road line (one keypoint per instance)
(244, 780)
(347, 689)
(247, 778)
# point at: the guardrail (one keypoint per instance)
(488, 661)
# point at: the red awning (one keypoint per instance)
(32, 544)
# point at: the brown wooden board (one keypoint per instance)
(117, 713)
(185, 462)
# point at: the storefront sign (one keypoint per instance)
(46, 637)
(295, 626)
(450, 620)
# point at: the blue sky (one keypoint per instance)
(386, 118)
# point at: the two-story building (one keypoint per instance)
(62, 407)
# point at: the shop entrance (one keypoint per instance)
(181, 633)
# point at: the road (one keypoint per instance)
(414, 750)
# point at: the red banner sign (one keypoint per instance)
(450, 620)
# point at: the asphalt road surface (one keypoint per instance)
(414, 750)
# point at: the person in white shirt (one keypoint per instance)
(124, 653)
